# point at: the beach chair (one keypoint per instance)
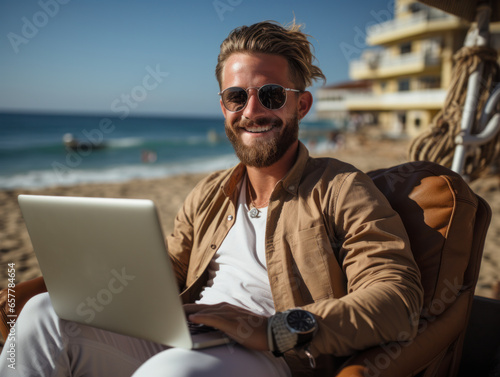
(446, 224)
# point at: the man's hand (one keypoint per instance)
(243, 326)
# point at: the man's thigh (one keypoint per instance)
(49, 346)
(222, 361)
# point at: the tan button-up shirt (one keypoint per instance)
(334, 246)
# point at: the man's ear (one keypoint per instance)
(304, 103)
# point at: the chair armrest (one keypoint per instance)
(22, 293)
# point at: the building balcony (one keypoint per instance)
(429, 99)
(377, 65)
(419, 24)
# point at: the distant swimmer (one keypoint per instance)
(71, 142)
(148, 156)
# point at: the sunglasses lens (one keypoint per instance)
(234, 99)
(272, 96)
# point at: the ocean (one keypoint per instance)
(107, 149)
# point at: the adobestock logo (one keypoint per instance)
(353, 50)
(40, 19)
(121, 106)
(390, 352)
(223, 6)
(104, 296)
(138, 93)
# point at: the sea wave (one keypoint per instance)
(125, 142)
(53, 146)
(47, 178)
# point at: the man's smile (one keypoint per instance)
(259, 129)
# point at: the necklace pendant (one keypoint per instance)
(254, 213)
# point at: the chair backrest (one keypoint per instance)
(446, 224)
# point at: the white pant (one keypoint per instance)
(46, 345)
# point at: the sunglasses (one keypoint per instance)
(271, 96)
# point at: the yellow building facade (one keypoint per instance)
(409, 64)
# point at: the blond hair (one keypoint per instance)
(269, 37)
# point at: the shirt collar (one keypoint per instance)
(292, 179)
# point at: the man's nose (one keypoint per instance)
(253, 106)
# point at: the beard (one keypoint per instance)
(263, 153)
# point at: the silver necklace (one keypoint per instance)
(254, 210)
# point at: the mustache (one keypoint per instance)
(245, 122)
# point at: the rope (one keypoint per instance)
(437, 143)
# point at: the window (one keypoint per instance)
(429, 82)
(403, 85)
(405, 48)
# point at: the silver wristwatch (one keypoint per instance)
(291, 329)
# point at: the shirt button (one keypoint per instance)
(291, 187)
(213, 246)
(230, 217)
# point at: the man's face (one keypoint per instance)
(260, 136)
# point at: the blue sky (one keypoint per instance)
(153, 57)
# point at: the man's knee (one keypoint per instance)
(38, 322)
(37, 302)
(37, 309)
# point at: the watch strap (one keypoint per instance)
(283, 339)
(270, 337)
(280, 339)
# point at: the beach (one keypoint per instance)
(168, 193)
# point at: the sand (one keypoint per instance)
(169, 193)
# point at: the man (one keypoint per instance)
(305, 255)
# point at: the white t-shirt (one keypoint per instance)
(238, 272)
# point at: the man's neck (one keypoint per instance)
(263, 180)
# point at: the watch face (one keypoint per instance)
(300, 321)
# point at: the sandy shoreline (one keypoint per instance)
(169, 193)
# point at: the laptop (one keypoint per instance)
(105, 264)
